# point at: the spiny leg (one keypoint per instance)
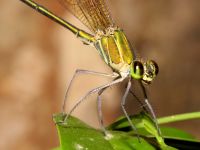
(150, 108)
(80, 71)
(123, 102)
(91, 92)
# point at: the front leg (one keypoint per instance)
(152, 113)
(139, 101)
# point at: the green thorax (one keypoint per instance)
(114, 48)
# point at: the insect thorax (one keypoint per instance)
(114, 48)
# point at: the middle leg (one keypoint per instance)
(91, 92)
(123, 102)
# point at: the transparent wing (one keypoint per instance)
(93, 13)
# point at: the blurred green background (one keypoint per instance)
(38, 59)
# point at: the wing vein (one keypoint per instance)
(92, 13)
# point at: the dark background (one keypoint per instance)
(38, 58)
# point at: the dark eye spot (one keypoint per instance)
(137, 66)
(155, 65)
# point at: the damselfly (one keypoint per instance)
(113, 47)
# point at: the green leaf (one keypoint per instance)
(75, 134)
(123, 141)
(144, 124)
(179, 139)
(169, 132)
(173, 137)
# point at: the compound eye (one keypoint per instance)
(150, 71)
(155, 67)
(137, 70)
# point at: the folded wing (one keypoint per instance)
(92, 13)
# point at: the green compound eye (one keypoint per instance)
(137, 70)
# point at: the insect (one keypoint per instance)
(112, 45)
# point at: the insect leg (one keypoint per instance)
(99, 109)
(91, 92)
(123, 102)
(139, 101)
(80, 71)
(152, 113)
